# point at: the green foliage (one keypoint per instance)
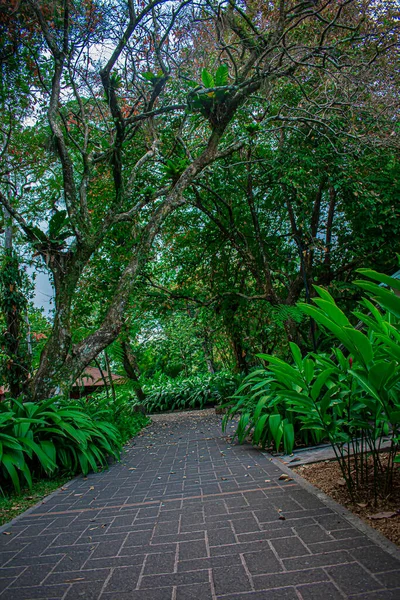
(193, 392)
(264, 414)
(14, 358)
(52, 436)
(351, 398)
(119, 411)
(14, 503)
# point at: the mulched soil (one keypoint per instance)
(327, 477)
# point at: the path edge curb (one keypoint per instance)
(371, 533)
(29, 510)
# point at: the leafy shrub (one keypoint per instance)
(54, 435)
(351, 398)
(265, 414)
(189, 392)
(120, 411)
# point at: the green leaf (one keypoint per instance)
(298, 359)
(380, 373)
(288, 437)
(320, 382)
(390, 281)
(361, 344)
(207, 79)
(221, 76)
(275, 425)
(387, 299)
(332, 311)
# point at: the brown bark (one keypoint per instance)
(132, 370)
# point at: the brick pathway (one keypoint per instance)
(186, 516)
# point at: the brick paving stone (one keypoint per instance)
(231, 579)
(194, 592)
(319, 591)
(187, 516)
(290, 546)
(160, 563)
(353, 578)
(287, 593)
(259, 563)
(278, 580)
(375, 559)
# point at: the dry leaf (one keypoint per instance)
(341, 481)
(7, 533)
(383, 515)
(285, 477)
(362, 504)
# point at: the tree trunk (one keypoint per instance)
(13, 305)
(132, 370)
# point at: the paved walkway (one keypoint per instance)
(186, 516)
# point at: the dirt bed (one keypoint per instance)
(327, 477)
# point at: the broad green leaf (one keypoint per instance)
(207, 79)
(320, 382)
(288, 437)
(221, 76)
(298, 359)
(332, 311)
(361, 344)
(390, 281)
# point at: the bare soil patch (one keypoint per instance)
(327, 476)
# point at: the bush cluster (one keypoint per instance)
(193, 392)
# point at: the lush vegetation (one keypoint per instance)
(15, 503)
(351, 397)
(58, 436)
(195, 392)
(182, 192)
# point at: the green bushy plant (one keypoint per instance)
(45, 437)
(193, 392)
(119, 410)
(351, 398)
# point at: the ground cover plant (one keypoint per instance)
(350, 398)
(16, 502)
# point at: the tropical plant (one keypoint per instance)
(189, 392)
(118, 410)
(351, 398)
(49, 436)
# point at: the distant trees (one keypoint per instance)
(120, 113)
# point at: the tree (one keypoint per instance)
(129, 132)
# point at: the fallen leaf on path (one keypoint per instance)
(7, 533)
(285, 477)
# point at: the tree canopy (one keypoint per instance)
(212, 159)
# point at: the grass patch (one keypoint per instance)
(14, 504)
